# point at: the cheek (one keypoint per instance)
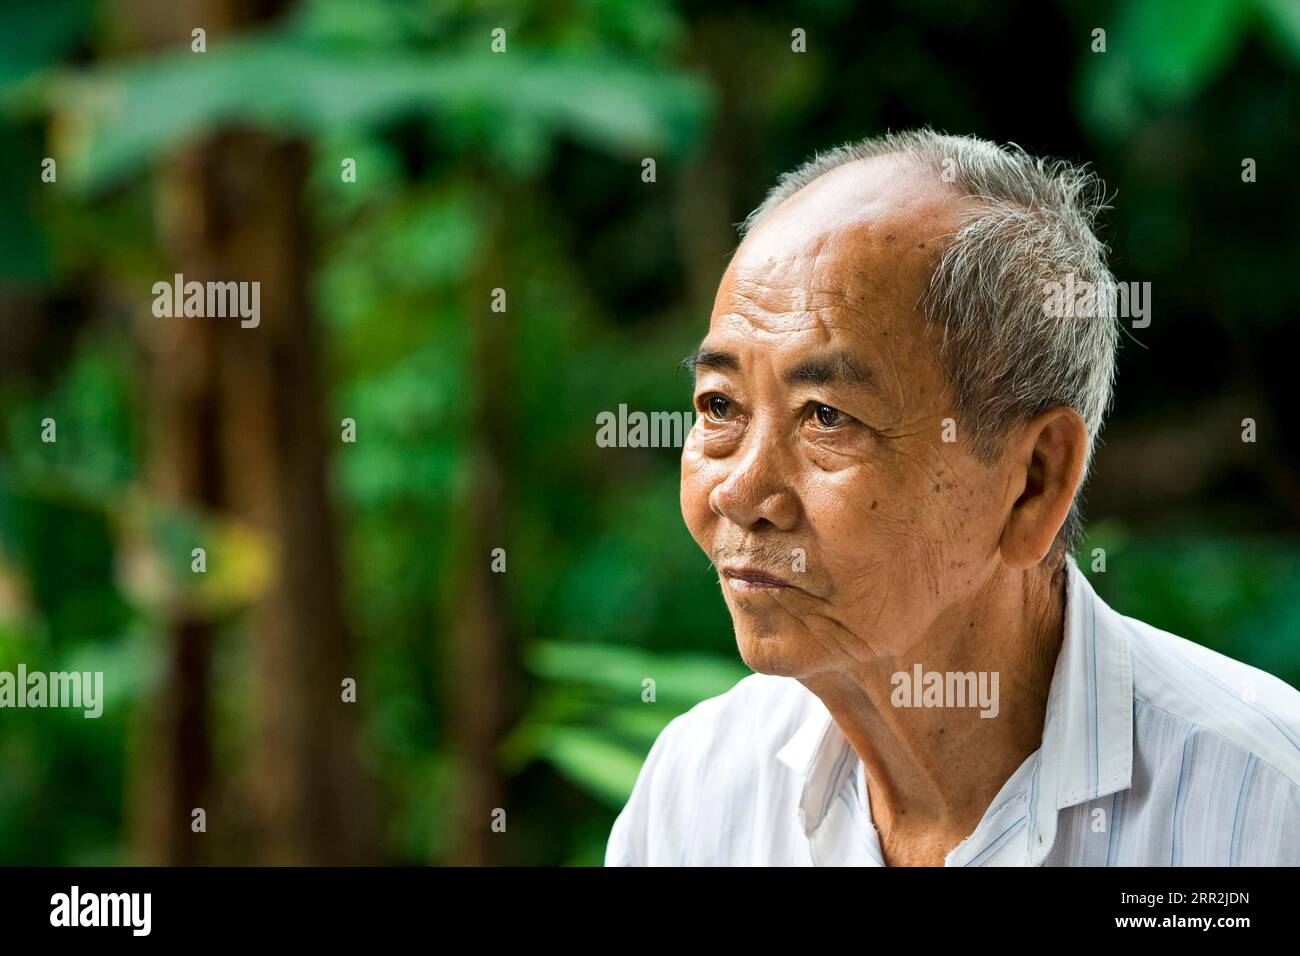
(878, 521)
(858, 519)
(939, 525)
(843, 507)
(698, 480)
(972, 516)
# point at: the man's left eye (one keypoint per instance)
(829, 417)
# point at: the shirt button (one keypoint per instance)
(1040, 837)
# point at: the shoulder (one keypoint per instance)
(757, 716)
(735, 733)
(1244, 709)
(702, 764)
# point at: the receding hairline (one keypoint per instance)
(957, 205)
(949, 157)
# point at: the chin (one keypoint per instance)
(776, 654)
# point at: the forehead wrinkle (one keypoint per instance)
(841, 276)
(781, 282)
(752, 299)
(855, 310)
(839, 328)
(768, 321)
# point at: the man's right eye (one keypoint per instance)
(716, 407)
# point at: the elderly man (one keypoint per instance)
(894, 424)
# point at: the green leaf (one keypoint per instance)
(1177, 46)
(1282, 24)
(594, 762)
(35, 33)
(115, 120)
(686, 677)
(24, 250)
(1159, 53)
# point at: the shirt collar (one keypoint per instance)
(817, 752)
(1087, 746)
(1089, 728)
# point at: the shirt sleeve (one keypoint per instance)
(631, 840)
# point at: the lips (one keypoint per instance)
(753, 579)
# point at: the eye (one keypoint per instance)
(828, 417)
(716, 406)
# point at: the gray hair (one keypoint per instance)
(1031, 225)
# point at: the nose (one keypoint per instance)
(757, 493)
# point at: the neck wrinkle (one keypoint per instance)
(939, 768)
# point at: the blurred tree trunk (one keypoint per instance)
(483, 677)
(174, 775)
(703, 203)
(239, 428)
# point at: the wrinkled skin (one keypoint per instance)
(820, 432)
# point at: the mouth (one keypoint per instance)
(747, 580)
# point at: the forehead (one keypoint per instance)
(846, 257)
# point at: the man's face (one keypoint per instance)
(819, 440)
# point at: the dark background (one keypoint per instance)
(475, 429)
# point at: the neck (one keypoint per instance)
(933, 771)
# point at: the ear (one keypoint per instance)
(1046, 455)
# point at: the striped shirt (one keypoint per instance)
(1155, 752)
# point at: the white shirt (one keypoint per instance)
(1155, 752)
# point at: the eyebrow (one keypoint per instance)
(835, 368)
(710, 358)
